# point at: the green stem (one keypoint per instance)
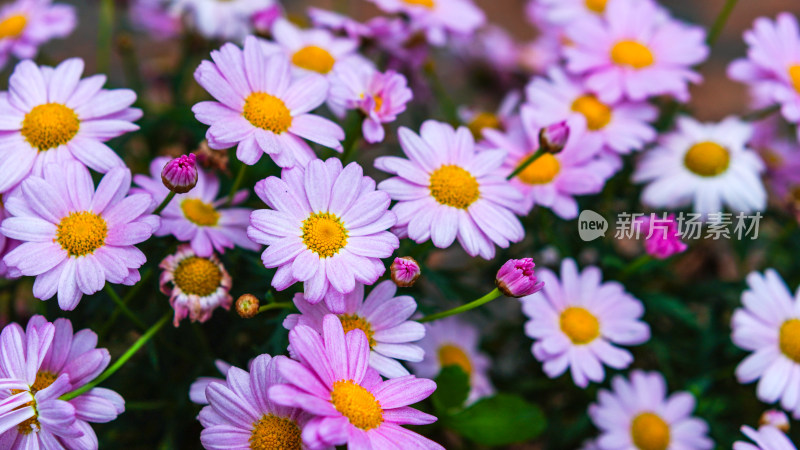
(236, 183)
(122, 359)
(352, 136)
(635, 265)
(164, 203)
(125, 300)
(463, 308)
(762, 113)
(443, 99)
(123, 307)
(720, 22)
(104, 36)
(277, 305)
(528, 161)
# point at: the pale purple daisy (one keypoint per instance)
(578, 322)
(562, 13)
(196, 285)
(350, 402)
(27, 24)
(155, 18)
(621, 126)
(50, 115)
(6, 245)
(765, 438)
(769, 326)
(639, 414)
(198, 216)
(635, 51)
(76, 238)
(240, 413)
(446, 189)
(453, 342)
(327, 228)
(382, 316)
(228, 20)
(437, 18)
(339, 23)
(197, 391)
(260, 108)
(380, 96)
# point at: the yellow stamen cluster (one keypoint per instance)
(273, 432)
(324, 234)
(50, 125)
(453, 186)
(597, 6)
(483, 120)
(315, 59)
(579, 325)
(650, 432)
(353, 321)
(197, 276)
(13, 26)
(632, 54)
(43, 380)
(81, 233)
(426, 3)
(267, 112)
(789, 339)
(707, 159)
(357, 404)
(541, 171)
(199, 212)
(453, 355)
(794, 75)
(597, 113)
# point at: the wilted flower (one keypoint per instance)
(775, 418)
(180, 174)
(517, 278)
(247, 306)
(405, 271)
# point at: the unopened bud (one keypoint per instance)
(553, 138)
(264, 18)
(775, 418)
(405, 271)
(517, 279)
(180, 174)
(247, 306)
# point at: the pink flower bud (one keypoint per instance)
(662, 236)
(180, 174)
(553, 138)
(264, 18)
(775, 418)
(405, 271)
(517, 279)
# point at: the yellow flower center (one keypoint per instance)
(197, 276)
(360, 407)
(453, 355)
(632, 54)
(707, 159)
(315, 59)
(650, 432)
(579, 325)
(43, 379)
(794, 74)
(426, 3)
(273, 432)
(353, 321)
(453, 186)
(597, 113)
(481, 121)
(199, 212)
(50, 125)
(541, 171)
(789, 339)
(324, 234)
(597, 6)
(81, 233)
(13, 26)
(267, 112)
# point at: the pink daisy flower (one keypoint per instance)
(382, 317)
(635, 51)
(260, 108)
(6, 245)
(553, 180)
(577, 320)
(769, 326)
(438, 17)
(561, 13)
(198, 216)
(350, 402)
(453, 342)
(50, 115)
(197, 391)
(27, 24)
(339, 23)
(446, 189)
(229, 20)
(76, 238)
(327, 228)
(155, 18)
(622, 126)
(381, 97)
(639, 414)
(196, 285)
(240, 413)
(765, 438)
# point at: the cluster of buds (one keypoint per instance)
(517, 279)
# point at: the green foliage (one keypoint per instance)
(499, 420)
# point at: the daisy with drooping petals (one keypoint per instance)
(635, 51)
(50, 115)
(446, 189)
(240, 413)
(196, 285)
(260, 108)
(197, 391)
(27, 24)
(381, 316)
(452, 342)
(228, 20)
(198, 216)
(765, 438)
(769, 326)
(438, 17)
(327, 228)
(76, 238)
(350, 402)
(705, 165)
(577, 320)
(622, 126)
(639, 414)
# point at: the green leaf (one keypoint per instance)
(500, 420)
(452, 388)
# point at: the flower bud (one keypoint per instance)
(247, 306)
(517, 279)
(775, 418)
(405, 271)
(553, 138)
(180, 174)
(264, 18)
(662, 236)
